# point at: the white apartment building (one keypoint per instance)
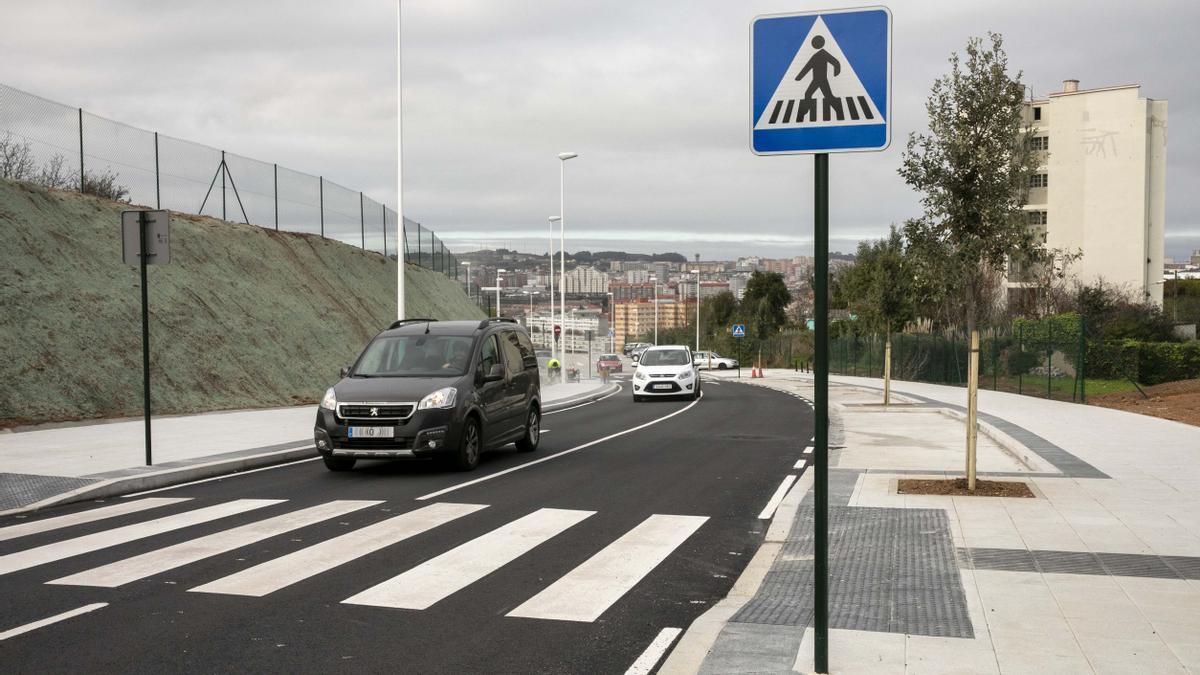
(586, 280)
(1100, 187)
(637, 276)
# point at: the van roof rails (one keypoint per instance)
(496, 319)
(401, 322)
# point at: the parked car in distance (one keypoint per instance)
(631, 347)
(666, 370)
(610, 361)
(424, 388)
(707, 360)
(636, 354)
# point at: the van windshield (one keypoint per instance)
(415, 356)
(665, 357)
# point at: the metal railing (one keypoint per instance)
(58, 146)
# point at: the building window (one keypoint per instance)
(1037, 113)
(1039, 143)
(1037, 217)
(1039, 180)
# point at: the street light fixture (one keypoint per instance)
(562, 232)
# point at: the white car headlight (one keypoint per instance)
(686, 375)
(639, 375)
(442, 398)
(330, 400)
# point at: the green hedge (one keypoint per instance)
(1146, 362)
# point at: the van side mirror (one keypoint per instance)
(345, 371)
(495, 374)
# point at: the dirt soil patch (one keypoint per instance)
(1179, 401)
(957, 487)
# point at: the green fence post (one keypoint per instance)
(870, 353)
(995, 360)
(1021, 348)
(1049, 355)
(1082, 368)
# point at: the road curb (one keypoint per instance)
(115, 487)
(698, 641)
(589, 397)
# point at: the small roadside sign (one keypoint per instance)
(821, 81)
(158, 237)
(739, 330)
(557, 330)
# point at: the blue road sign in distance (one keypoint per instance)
(821, 81)
(738, 330)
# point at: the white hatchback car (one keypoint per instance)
(667, 370)
(708, 360)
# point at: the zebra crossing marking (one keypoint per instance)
(154, 562)
(59, 522)
(29, 627)
(94, 542)
(592, 587)
(439, 577)
(294, 567)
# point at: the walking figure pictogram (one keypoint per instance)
(818, 65)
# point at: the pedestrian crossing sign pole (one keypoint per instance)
(820, 82)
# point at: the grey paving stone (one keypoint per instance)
(23, 489)
(753, 648)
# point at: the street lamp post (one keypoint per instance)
(612, 329)
(697, 273)
(550, 274)
(655, 280)
(562, 233)
(468, 266)
(498, 273)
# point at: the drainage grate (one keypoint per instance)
(1076, 562)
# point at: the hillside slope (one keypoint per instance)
(242, 317)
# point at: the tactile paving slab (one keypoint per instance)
(890, 570)
(23, 489)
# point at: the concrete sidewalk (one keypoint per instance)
(59, 463)
(1100, 572)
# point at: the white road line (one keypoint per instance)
(616, 391)
(808, 450)
(228, 475)
(776, 498)
(154, 562)
(590, 589)
(435, 579)
(654, 652)
(800, 464)
(121, 535)
(279, 573)
(20, 630)
(556, 455)
(47, 524)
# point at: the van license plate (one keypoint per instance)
(372, 432)
(662, 386)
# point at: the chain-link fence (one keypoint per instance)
(69, 148)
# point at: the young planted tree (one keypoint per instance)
(973, 170)
(878, 288)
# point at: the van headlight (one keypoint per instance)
(639, 375)
(442, 398)
(329, 402)
(686, 375)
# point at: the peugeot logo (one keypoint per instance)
(374, 412)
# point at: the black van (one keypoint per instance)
(449, 389)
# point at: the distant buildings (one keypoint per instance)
(1100, 186)
(586, 280)
(580, 325)
(631, 319)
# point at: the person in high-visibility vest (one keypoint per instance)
(552, 368)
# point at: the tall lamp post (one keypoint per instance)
(655, 280)
(562, 234)
(498, 273)
(697, 273)
(612, 328)
(468, 266)
(550, 254)
(401, 244)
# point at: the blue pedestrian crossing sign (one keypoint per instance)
(739, 330)
(821, 81)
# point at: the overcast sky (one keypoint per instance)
(651, 94)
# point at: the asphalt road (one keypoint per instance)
(568, 563)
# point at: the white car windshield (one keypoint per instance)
(665, 357)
